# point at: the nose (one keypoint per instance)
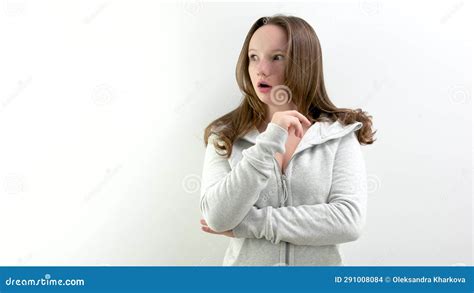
(264, 68)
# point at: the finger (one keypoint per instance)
(301, 117)
(208, 230)
(298, 127)
(292, 130)
(203, 222)
(229, 234)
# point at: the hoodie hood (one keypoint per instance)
(317, 133)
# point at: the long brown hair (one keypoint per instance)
(303, 76)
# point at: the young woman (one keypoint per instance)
(283, 175)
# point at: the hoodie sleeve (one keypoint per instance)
(338, 221)
(227, 195)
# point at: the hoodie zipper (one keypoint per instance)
(284, 182)
(285, 198)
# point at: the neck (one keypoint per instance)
(272, 109)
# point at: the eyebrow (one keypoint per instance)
(281, 50)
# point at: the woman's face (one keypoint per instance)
(267, 53)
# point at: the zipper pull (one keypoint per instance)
(285, 190)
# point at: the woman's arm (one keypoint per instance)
(228, 195)
(338, 221)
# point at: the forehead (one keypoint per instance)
(268, 38)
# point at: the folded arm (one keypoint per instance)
(227, 195)
(338, 221)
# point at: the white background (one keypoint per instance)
(103, 105)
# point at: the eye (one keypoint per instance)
(252, 56)
(276, 57)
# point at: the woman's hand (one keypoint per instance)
(292, 121)
(206, 228)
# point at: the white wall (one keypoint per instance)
(103, 106)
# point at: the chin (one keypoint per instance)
(265, 99)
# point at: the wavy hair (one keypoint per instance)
(303, 76)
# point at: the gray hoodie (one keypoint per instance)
(297, 217)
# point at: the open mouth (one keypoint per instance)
(264, 87)
(263, 84)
